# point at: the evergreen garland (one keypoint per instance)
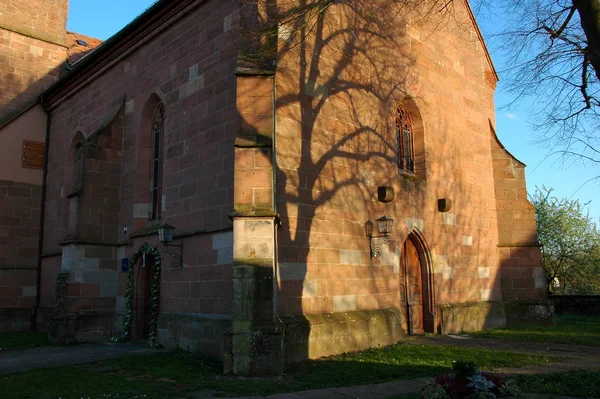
(154, 295)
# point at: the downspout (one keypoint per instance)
(274, 154)
(277, 221)
(38, 284)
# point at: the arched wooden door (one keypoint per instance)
(416, 287)
(412, 295)
(141, 315)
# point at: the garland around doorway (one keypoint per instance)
(143, 251)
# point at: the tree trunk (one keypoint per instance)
(589, 14)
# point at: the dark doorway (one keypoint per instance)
(141, 298)
(415, 294)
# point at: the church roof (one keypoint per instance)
(79, 46)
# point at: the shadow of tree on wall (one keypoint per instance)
(342, 68)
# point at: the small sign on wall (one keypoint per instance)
(124, 265)
(33, 154)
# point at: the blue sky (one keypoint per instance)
(103, 18)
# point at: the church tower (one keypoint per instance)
(33, 46)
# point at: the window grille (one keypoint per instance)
(157, 133)
(404, 140)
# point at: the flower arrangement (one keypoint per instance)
(469, 381)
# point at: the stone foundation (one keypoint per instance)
(79, 327)
(15, 319)
(19, 221)
(315, 335)
(529, 312)
(193, 333)
(474, 316)
(256, 352)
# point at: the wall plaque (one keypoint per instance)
(33, 154)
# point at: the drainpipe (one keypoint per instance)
(38, 284)
(274, 153)
(277, 221)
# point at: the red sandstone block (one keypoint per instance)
(104, 303)
(8, 291)
(321, 305)
(227, 272)
(263, 159)
(291, 288)
(217, 289)
(342, 271)
(90, 290)
(523, 283)
(245, 105)
(196, 290)
(364, 302)
(254, 178)
(263, 105)
(288, 254)
(26, 302)
(364, 272)
(298, 305)
(252, 123)
(206, 306)
(19, 46)
(74, 289)
(328, 256)
(355, 287)
(10, 221)
(74, 304)
(254, 86)
(224, 306)
(318, 272)
(337, 287)
(6, 302)
(175, 289)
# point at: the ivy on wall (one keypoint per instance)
(144, 250)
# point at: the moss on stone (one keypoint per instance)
(471, 316)
(253, 262)
(256, 139)
(249, 210)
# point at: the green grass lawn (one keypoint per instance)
(176, 374)
(569, 329)
(583, 384)
(23, 340)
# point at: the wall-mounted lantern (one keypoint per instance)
(165, 236)
(385, 194)
(444, 204)
(384, 225)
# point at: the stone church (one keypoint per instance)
(332, 175)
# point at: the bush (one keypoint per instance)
(470, 382)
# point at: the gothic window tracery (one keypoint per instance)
(405, 155)
(157, 135)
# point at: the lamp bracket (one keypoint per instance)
(176, 258)
(376, 248)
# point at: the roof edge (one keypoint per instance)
(18, 113)
(107, 121)
(481, 39)
(502, 145)
(102, 55)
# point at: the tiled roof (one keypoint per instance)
(79, 46)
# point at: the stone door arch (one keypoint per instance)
(416, 288)
(141, 297)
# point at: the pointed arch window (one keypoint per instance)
(157, 136)
(405, 154)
